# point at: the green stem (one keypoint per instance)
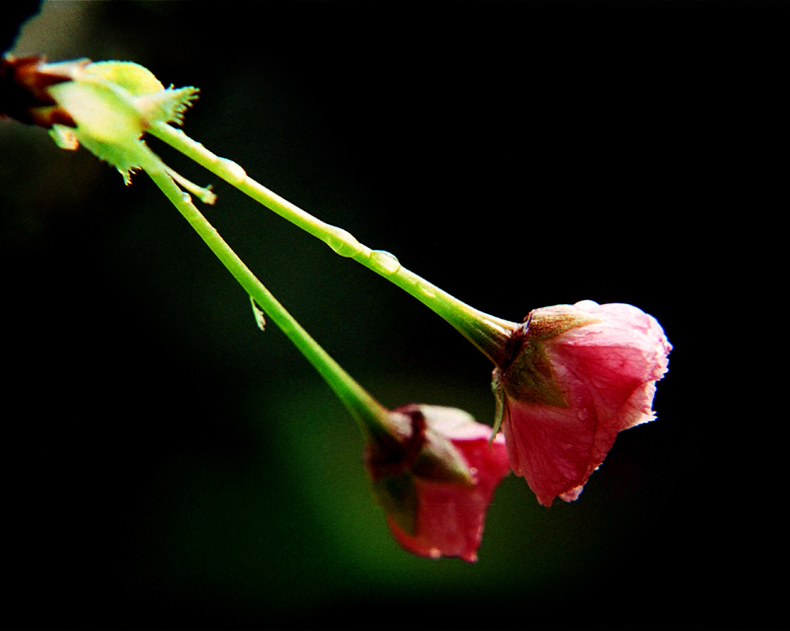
(486, 332)
(368, 412)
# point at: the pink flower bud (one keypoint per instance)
(578, 375)
(434, 474)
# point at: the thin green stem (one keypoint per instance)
(486, 332)
(368, 412)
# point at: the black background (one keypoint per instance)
(167, 465)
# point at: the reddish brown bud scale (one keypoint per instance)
(23, 90)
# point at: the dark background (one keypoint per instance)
(168, 465)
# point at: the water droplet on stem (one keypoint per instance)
(426, 289)
(235, 173)
(343, 242)
(384, 262)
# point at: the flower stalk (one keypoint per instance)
(560, 414)
(368, 412)
(434, 470)
(428, 470)
(486, 332)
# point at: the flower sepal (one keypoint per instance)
(411, 444)
(104, 106)
(530, 376)
(397, 496)
(112, 103)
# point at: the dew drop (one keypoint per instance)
(434, 553)
(343, 242)
(426, 289)
(384, 262)
(235, 173)
(186, 197)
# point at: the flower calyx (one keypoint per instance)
(112, 103)
(527, 374)
(411, 450)
(105, 106)
(530, 376)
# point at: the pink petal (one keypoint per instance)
(606, 371)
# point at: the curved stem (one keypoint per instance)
(369, 413)
(486, 332)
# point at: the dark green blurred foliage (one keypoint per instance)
(167, 465)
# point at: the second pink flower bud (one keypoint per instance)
(434, 473)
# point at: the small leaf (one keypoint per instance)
(501, 404)
(64, 137)
(260, 318)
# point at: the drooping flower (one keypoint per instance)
(577, 375)
(434, 473)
